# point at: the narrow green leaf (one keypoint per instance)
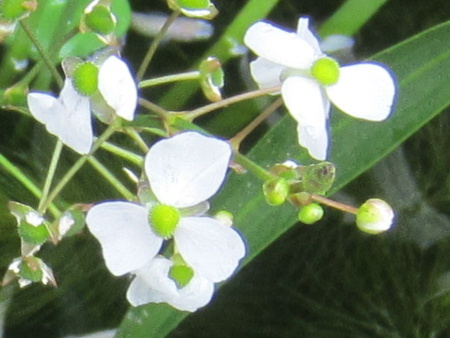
(419, 64)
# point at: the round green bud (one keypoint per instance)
(310, 214)
(101, 20)
(164, 220)
(181, 275)
(33, 234)
(325, 71)
(85, 78)
(13, 9)
(31, 269)
(276, 191)
(193, 4)
(374, 216)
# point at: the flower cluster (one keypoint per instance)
(310, 80)
(182, 172)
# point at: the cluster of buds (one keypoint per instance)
(305, 187)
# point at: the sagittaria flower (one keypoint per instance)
(68, 117)
(183, 172)
(309, 80)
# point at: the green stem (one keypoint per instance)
(191, 115)
(26, 182)
(254, 168)
(193, 75)
(45, 57)
(333, 204)
(158, 38)
(80, 162)
(154, 108)
(137, 138)
(50, 173)
(239, 137)
(126, 154)
(111, 179)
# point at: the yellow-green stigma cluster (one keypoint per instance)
(164, 220)
(85, 78)
(181, 274)
(325, 71)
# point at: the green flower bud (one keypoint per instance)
(85, 78)
(32, 227)
(310, 214)
(181, 274)
(325, 71)
(100, 19)
(194, 8)
(211, 78)
(16, 9)
(276, 191)
(164, 219)
(29, 270)
(374, 216)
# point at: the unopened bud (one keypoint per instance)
(374, 216)
(311, 213)
(276, 191)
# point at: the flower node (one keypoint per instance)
(325, 71)
(164, 219)
(181, 275)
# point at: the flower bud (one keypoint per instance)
(374, 216)
(211, 78)
(98, 18)
(32, 227)
(194, 8)
(276, 191)
(310, 214)
(29, 270)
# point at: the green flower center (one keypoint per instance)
(325, 71)
(181, 275)
(164, 219)
(85, 78)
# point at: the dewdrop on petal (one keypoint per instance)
(375, 216)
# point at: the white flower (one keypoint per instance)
(183, 172)
(152, 284)
(68, 117)
(309, 80)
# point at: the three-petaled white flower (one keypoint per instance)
(183, 172)
(310, 80)
(68, 117)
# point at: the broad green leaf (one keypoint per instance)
(419, 64)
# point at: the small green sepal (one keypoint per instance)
(17, 9)
(276, 191)
(211, 78)
(31, 225)
(98, 18)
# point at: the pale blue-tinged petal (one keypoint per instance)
(117, 87)
(152, 285)
(125, 235)
(211, 248)
(364, 90)
(266, 73)
(187, 168)
(305, 33)
(68, 117)
(279, 46)
(308, 105)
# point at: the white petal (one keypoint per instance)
(364, 90)
(152, 285)
(265, 73)
(209, 247)
(187, 169)
(307, 104)
(279, 46)
(125, 235)
(305, 33)
(118, 87)
(68, 117)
